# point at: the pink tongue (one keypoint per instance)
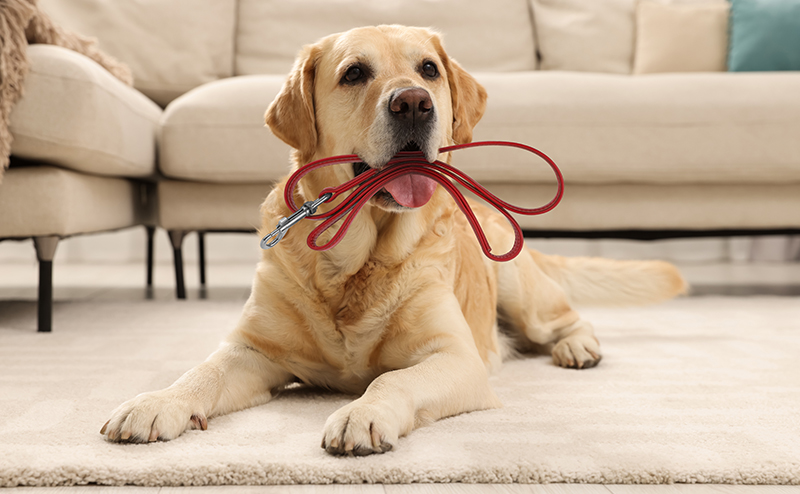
(412, 191)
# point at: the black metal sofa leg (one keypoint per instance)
(176, 238)
(201, 246)
(151, 232)
(45, 252)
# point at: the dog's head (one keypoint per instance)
(374, 91)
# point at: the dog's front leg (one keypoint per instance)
(449, 378)
(232, 378)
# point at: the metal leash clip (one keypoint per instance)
(285, 223)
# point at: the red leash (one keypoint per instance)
(372, 181)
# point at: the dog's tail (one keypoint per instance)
(596, 281)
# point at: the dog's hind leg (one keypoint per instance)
(537, 307)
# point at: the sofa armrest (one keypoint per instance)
(76, 115)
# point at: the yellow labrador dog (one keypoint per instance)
(405, 310)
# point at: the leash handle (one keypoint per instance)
(372, 181)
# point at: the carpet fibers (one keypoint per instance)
(698, 390)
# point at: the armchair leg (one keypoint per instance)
(151, 231)
(176, 238)
(45, 252)
(201, 245)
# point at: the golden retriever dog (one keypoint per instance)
(405, 310)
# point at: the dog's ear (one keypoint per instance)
(469, 101)
(467, 95)
(291, 115)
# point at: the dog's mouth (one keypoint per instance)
(409, 191)
(411, 146)
(361, 167)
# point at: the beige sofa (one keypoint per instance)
(644, 156)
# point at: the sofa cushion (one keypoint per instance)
(216, 133)
(765, 35)
(45, 200)
(482, 35)
(600, 128)
(660, 128)
(75, 114)
(701, 47)
(171, 46)
(590, 36)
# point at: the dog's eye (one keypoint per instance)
(430, 69)
(353, 74)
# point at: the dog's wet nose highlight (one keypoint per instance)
(413, 104)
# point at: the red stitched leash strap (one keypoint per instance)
(372, 181)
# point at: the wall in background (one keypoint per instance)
(129, 246)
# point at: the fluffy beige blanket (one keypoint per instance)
(22, 23)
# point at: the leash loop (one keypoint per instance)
(370, 182)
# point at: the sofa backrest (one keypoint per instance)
(173, 46)
(481, 35)
(592, 35)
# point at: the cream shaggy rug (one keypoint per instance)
(695, 390)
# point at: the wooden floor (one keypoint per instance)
(424, 489)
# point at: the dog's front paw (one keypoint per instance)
(577, 352)
(360, 429)
(159, 415)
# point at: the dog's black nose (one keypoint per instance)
(412, 105)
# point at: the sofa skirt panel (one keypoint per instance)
(605, 207)
(203, 206)
(192, 206)
(46, 200)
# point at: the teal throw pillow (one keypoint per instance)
(765, 35)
